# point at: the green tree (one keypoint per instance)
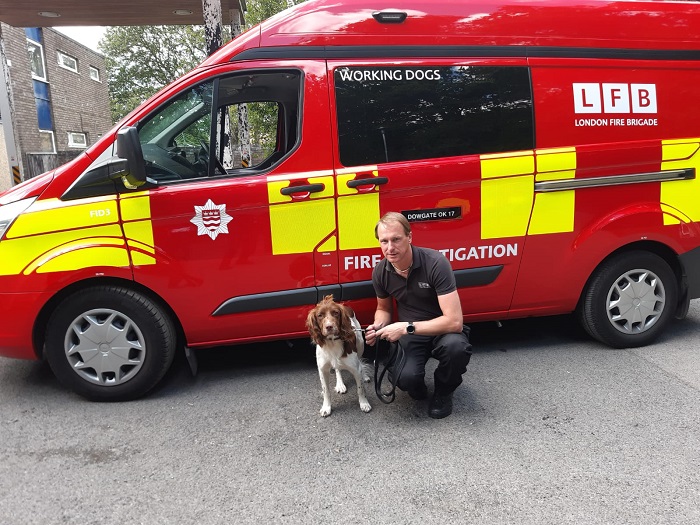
(259, 10)
(140, 60)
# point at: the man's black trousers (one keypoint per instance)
(452, 351)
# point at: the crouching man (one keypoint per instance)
(430, 314)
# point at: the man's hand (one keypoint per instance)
(392, 332)
(371, 334)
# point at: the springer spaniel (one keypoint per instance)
(339, 345)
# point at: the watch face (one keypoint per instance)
(410, 329)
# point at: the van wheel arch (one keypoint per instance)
(41, 323)
(596, 309)
(110, 343)
(39, 334)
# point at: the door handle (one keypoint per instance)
(371, 181)
(306, 188)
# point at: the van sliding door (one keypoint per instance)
(449, 145)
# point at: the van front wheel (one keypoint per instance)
(109, 343)
(629, 300)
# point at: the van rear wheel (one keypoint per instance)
(109, 343)
(629, 300)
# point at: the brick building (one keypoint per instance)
(59, 95)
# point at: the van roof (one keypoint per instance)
(585, 24)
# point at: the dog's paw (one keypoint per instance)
(365, 407)
(341, 389)
(326, 410)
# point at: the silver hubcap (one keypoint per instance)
(105, 347)
(636, 301)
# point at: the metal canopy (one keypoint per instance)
(119, 13)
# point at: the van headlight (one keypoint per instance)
(10, 212)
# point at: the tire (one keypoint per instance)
(629, 300)
(109, 343)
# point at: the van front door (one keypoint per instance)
(233, 220)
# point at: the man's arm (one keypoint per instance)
(450, 321)
(382, 316)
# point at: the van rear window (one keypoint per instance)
(393, 114)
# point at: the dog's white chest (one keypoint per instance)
(331, 352)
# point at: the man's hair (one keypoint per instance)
(393, 217)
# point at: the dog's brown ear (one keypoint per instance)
(314, 328)
(347, 332)
(349, 311)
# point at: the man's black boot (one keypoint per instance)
(440, 405)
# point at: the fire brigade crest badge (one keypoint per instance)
(211, 219)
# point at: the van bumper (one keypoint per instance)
(18, 311)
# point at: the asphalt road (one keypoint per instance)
(549, 428)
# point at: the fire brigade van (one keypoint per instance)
(549, 149)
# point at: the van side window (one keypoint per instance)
(262, 109)
(256, 125)
(393, 114)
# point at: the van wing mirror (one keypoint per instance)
(129, 149)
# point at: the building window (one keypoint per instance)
(43, 105)
(36, 60)
(67, 62)
(95, 74)
(48, 145)
(77, 140)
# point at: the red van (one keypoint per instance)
(548, 149)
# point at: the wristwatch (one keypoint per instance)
(410, 329)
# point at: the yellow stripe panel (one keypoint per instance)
(140, 231)
(17, 254)
(275, 186)
(676, 216)
(554, 212)
(46, 219)
(135, 208)
(77, 254)
(299, 227)
(678, 149)
(683, 195)
(505, 165)
(141, 259)
(505, 206)
(507, 193)
(86, 258)
(139, 246)
(550, 162)
(357, 217)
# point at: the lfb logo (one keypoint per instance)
(614, 98)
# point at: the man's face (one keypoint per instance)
(395, 244)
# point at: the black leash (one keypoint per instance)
(392, 358)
